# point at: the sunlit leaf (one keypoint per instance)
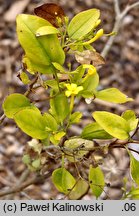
(77, 78)
(134, 193)
(63, 180)
(95, 131)
(112, 124)
(112, 95)
(91, 82)
(51, 83)
(96, 180)
(130, 117)
(83, 23)
(74, 148)
(50, 122)
(58, 67)
(134, 168)
(39, 51)
(55, 138)
(24, 77)
(46, 30)
(79, 190)
(87, 94)
(59, 135)
(32, 123)
(14, 103)
(59, 107)
(75, 117)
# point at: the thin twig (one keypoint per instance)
(21, 187)
(2, 118)
(22, 179)
(137, 128)
(117, 24)
(31, 85)
(133, 150)
(118, 146)
(135, 141)
(117, 7)
(129, 7)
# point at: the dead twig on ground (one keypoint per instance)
(22, 179)
(19, 188)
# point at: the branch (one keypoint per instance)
(21, 187)
(130, 7)
(117, 7)
(2, 118)
(117, 24)
(31, 85)
(121, 143)
(136, 130)
(133, 150)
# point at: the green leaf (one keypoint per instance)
(75, 117)
(14, 103)
(55, 138)
(26, 159)
(46, 30)
(59, 135)
(112, 95)
(51, 83)
(36, 164)
(39, 51)
(91, 83)
(32, 67)
(96, 179)
(83, 23)
(59, 107)
(75, 148)
(50, 122)
(24, 77)
(130, 117)
(112, 124)
(134, 193)
(58, 67)
(86, 94)
(63, 180)
(32, 123)
(79, 190)
(77, 78)
(95, 131)
(134, 168)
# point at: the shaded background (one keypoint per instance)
(121, 71)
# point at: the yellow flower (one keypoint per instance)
(72, 89)
(91, 70)
(97, 23)
(99, 33)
